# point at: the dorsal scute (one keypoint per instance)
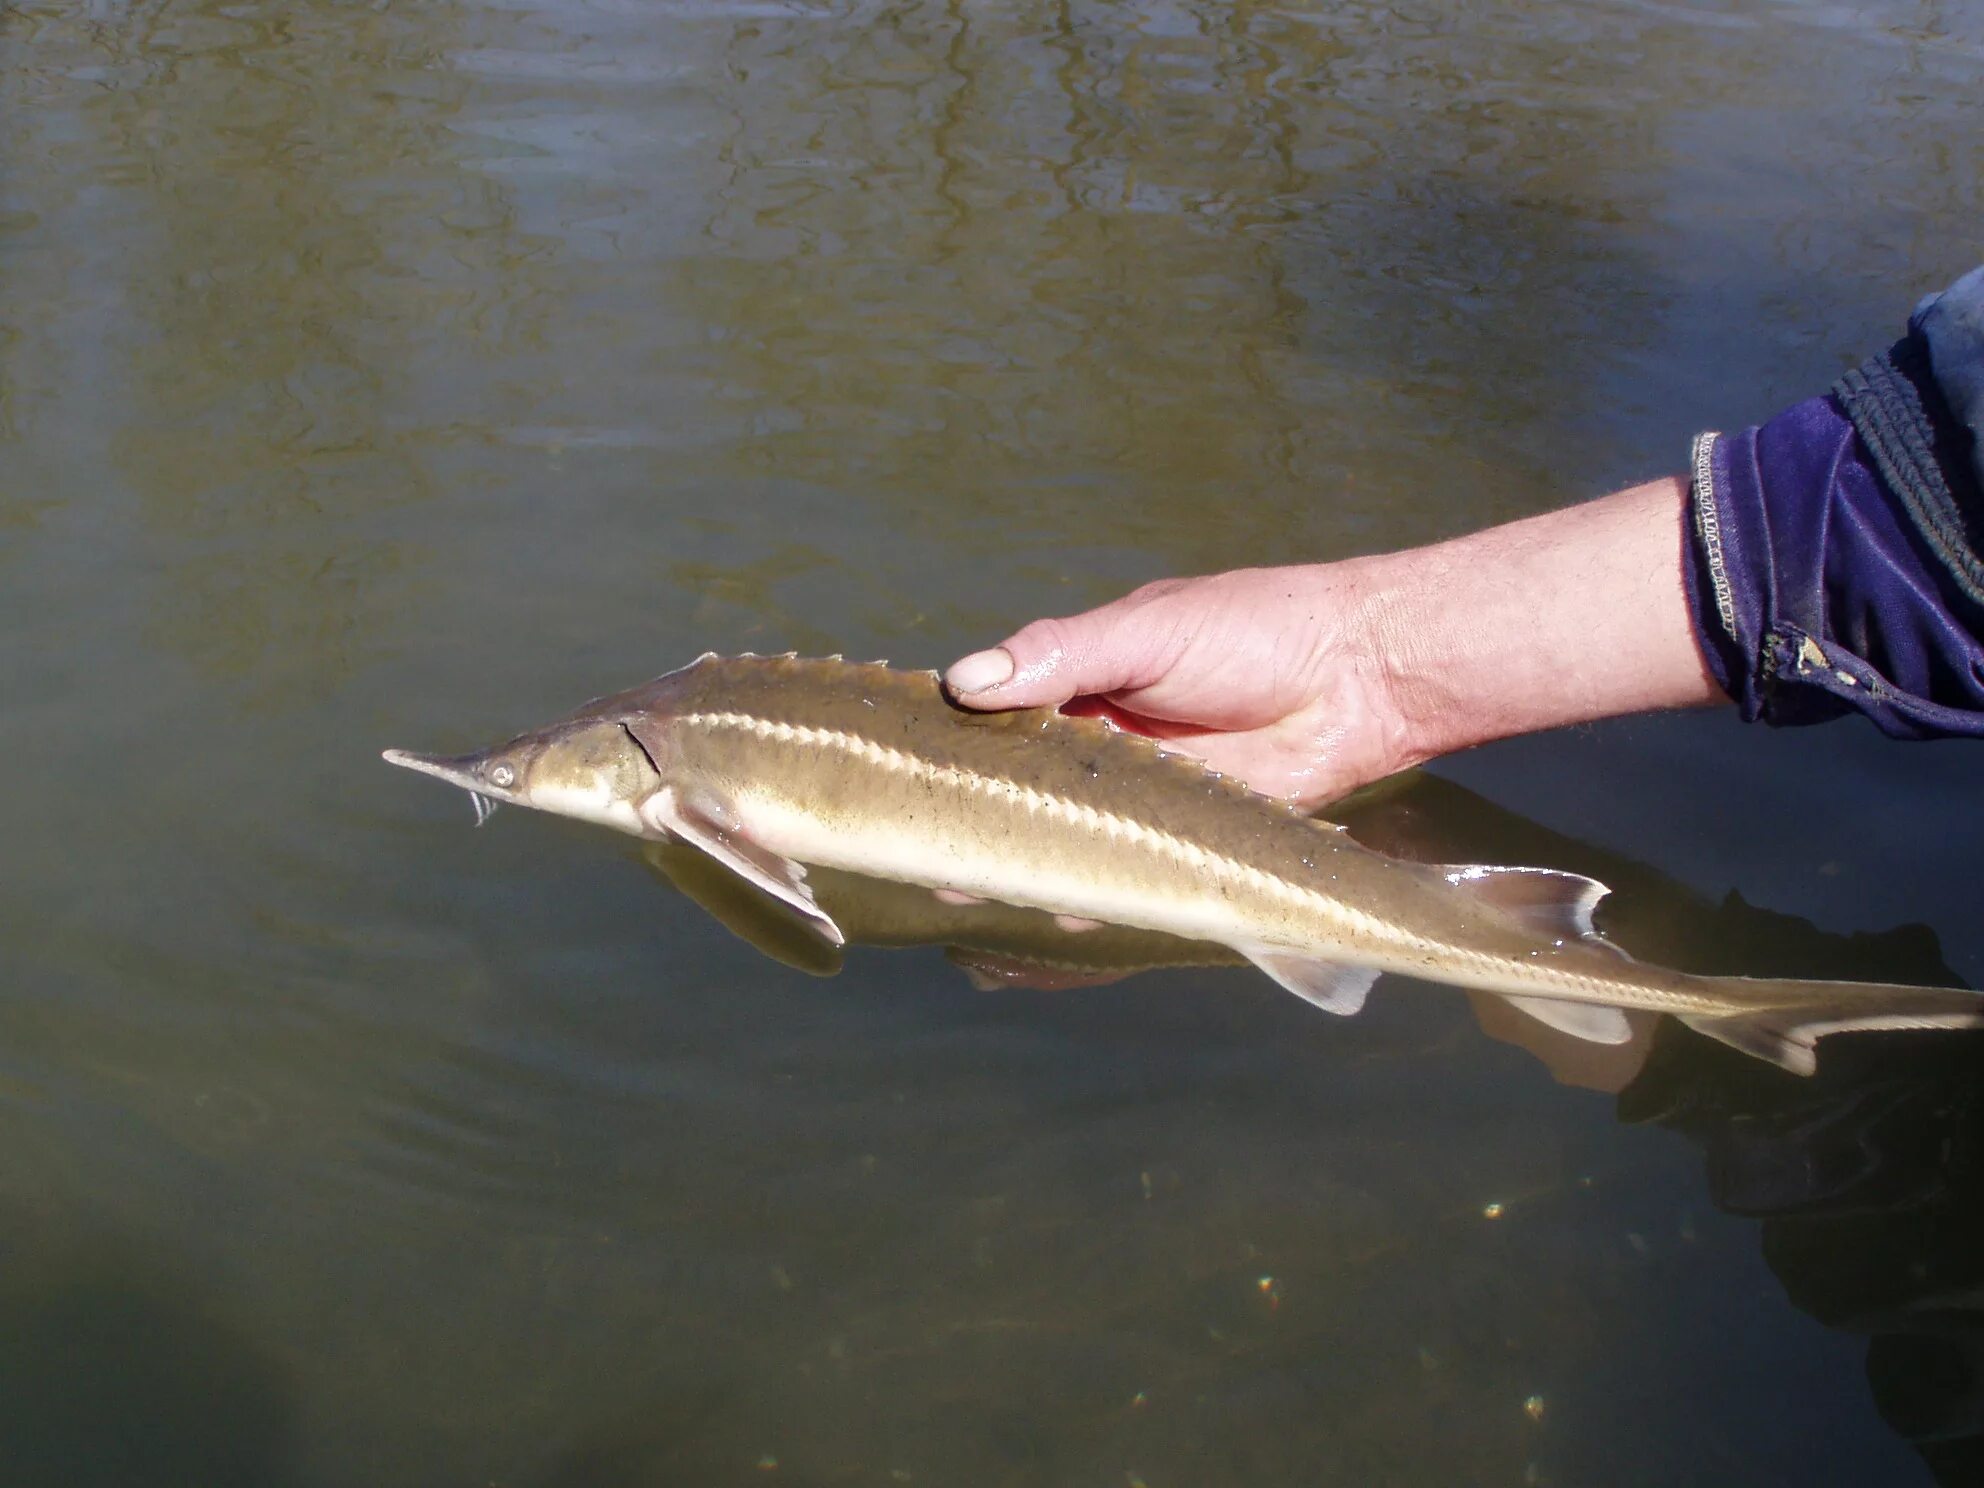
(857, 697)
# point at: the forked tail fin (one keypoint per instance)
(1788, 1036)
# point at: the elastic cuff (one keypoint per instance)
(1711, 597)
(1763, 512)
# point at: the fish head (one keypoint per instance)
(593, 769)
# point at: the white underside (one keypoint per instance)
(595, 803)
(1193, 913)
(914, 858)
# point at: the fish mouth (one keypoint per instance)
(456, 769)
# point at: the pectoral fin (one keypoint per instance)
(705, 820)
(1590, 1021)
(1332, 986)
(767, 925)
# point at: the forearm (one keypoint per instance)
(1828, 561)
(1563, 618)
(1837, 558)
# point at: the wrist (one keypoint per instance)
(1564, 618)
(1430, 692)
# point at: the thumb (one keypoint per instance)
(1046, 663)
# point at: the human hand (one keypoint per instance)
(1271, 675)
(1307, 682)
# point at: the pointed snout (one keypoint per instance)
(456, 769)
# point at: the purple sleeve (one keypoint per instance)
(1834, 555)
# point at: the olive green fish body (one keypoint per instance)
(767, 763)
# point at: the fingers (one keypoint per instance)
(1048, 662)
(979, 672)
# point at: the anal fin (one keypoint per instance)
(1334, 986)
(1780, 1037)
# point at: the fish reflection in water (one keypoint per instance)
(995, 944)
(1867, 1178)
(1004, 946)
(1418, 817)
(1868, 1185)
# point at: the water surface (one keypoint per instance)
(403, 375)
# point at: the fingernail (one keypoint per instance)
(980, 670)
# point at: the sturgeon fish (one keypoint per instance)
(771, 763)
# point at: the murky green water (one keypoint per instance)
(403, 374)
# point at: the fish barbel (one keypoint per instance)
(770, 763)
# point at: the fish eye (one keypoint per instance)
(502, 775)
